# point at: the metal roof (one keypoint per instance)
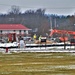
(13, 27)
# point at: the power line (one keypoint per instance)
(5, 5)
(62, 8)
(39, 7)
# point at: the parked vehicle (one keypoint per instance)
(27, 38)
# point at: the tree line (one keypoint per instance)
(37, 20)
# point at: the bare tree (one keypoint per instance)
(14, 10)
(40, 11)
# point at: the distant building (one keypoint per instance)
(19, 29)
(10, 28)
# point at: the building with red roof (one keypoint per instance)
(19, 29)
(11, 28)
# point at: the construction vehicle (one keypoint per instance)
(64, 34)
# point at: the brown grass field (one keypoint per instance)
(37, 63)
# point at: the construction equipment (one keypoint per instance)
(63, 34)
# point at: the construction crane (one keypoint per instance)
(63, 33)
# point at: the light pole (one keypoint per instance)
(50, 19)
(50, 22)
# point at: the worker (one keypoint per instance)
(34, 37)
(22, 43)
(8, 39)
(40, 38)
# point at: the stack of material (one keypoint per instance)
(47, 42)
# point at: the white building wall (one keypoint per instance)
(12, 31)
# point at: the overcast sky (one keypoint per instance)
(61, 7)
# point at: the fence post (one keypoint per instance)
(6, 49)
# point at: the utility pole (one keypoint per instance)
(55, 22)
(51, 25)
(50, 22)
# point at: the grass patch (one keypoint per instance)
(37, 64)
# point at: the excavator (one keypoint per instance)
(63, 34)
